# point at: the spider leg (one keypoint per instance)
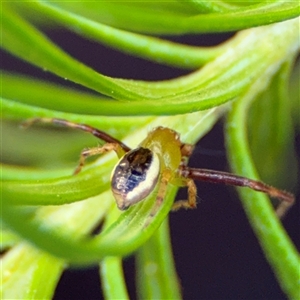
(96, 151)
(94, 131)
(186, 152)
(282, 208)
(163, 184)
(231, 179)
(191, 203)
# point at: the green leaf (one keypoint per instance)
(42, 206)
(271, 134)
(158, 50)
(18, 36)
(213, 6)
(7, 239)
(113, 282)
(122, 238)
(155, 18)
(219, 82)
(111, 272)
(29, 274)
(156, 275)
(293, 91)
(272, 236)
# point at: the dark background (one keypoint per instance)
(217, 255)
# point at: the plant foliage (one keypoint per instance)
(48, 214)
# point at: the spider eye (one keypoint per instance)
(134, 177)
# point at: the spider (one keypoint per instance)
(160, 159)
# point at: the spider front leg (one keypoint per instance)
(96, 151)
(287, 199)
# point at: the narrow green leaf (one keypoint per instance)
(111, 271)
(156, 275)
(63, 226)
(18, 111)
(57, 191)
(158, 50)
(123, 237)
(294, 94)
(12, 172)
(112, 276)
(271, 134)
(29, 274)
(18, 36)
(7, 239)
(212, 6)
(220, 81)
(163, 21)
(277, 246)
(32, 274)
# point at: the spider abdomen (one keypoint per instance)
(135, 176)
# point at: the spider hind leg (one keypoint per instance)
(191, 202)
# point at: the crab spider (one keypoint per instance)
(160, 159)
